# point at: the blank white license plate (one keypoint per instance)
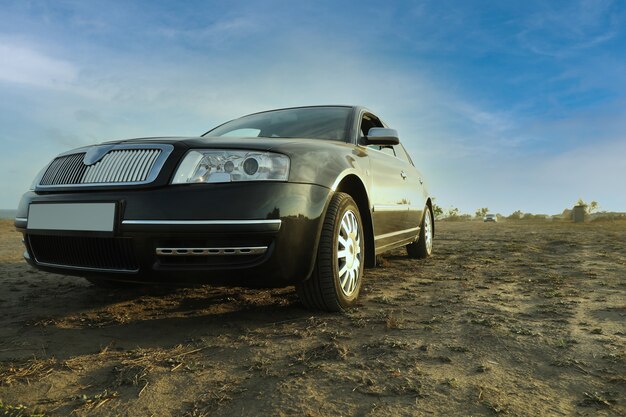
(89, 217)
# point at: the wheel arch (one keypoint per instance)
(429, 204)
(352, 185)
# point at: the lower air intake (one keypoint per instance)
(97, 253)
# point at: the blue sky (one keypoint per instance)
(503, 104)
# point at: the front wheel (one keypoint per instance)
(337, 276)
(423, 247)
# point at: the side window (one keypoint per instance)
(384, 149)
(401, 153)
(369, 121)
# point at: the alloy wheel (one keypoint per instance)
(428, 232)
(349, 255)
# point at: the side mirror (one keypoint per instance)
(381, 136)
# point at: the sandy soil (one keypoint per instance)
(510, 318)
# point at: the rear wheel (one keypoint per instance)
(337, 276)
(423, 247)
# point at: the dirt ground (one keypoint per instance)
(518, 318)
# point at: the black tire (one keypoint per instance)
(327, 289)
(423, 246)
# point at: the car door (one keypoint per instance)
(389, 193)
(414, 189)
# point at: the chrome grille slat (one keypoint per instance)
(139, 172)
(120, 176)
(106, 171)
(78, 169)
(132, 160)
(117, 158)
(146, 161)
(106, 165)
(152, 157)
(103, 167)
(129, 164)
(49, 172)
(136, 169)
(149, 158)
(66, 168)
(89, 172)
(62, 170)
(123, 164)
(135, 172)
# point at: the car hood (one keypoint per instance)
(259, 144)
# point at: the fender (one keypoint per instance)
(365, 217)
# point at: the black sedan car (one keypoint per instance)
(303, 196)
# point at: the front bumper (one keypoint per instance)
(257, 234)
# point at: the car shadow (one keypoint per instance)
(62, 317)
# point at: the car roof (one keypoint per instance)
(305, 107)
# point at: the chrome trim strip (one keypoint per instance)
(398, 243)
(85, 268)
(252, 250)
(21, 219)
(400, 232)
(390, 207)
(199, 222)
(394, 207)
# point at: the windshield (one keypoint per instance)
(307, 122)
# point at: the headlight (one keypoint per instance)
(230, 165)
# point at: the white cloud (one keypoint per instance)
(560, 31)
(26, 65)
(471, 154)
(217, 34)
(596, 171)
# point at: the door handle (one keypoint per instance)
(403, 175)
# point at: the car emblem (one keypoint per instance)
(95, 153)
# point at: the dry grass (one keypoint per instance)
(26, 372)
(514, 318)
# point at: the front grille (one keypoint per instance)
(65, 170)
(84, 252)
(119, 166)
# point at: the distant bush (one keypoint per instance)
(457, 218)
(529, 216)
(519, 215)
(516, 215)
(454, 216)
(437, 210)
(608, 217)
